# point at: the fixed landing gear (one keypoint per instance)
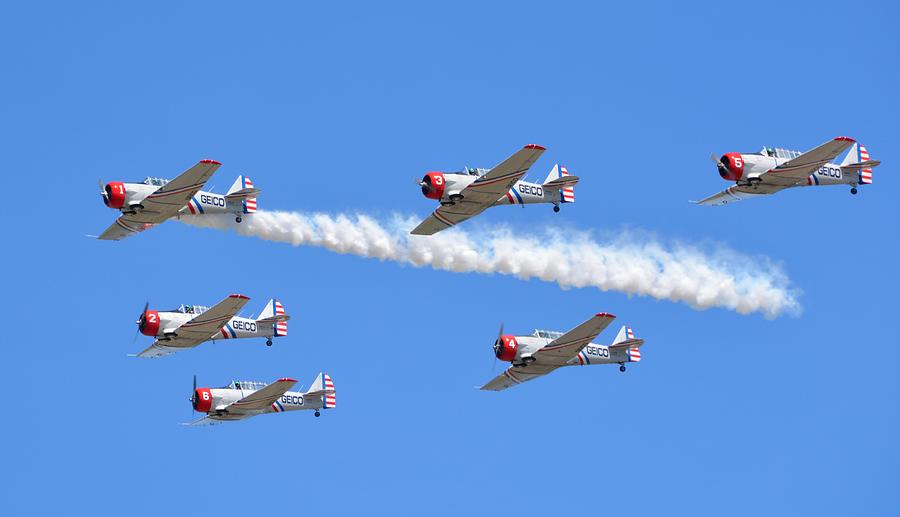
(556, 208)
(621, 367)
(317, 414)
(853, 191)
(269, 342)
(238, 219)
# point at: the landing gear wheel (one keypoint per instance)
(853, 191)
(318, 414)
(238, 219)
(455, 197)
(268, 342)
(556, 209)
(622, 368)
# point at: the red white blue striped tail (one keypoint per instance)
(634, 355)
(250, 202)
(865, 175)
(280, 326)
(568, 193)
(329, 400)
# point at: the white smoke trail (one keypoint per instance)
(627, 263)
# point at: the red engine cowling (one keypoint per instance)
(202, 400)
(733, 166)
(506, 348)
(433, 185)
(115, 194)
(149, 323)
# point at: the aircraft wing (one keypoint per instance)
(199, 329)
(517, 375)
(164, 203)
(124, 227)
(263, 398)
(799, 168)
(158, 350)
(482, 193)
(737, 193)
(205, 421)
(565, 347)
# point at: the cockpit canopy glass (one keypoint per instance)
(246, 385)
(473, 171)
(156, 182)
(777, 152)
(193, 309)
(548, 334)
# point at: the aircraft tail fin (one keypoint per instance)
(625, 338)
(323, 387)
(858, 160)
(274, 314)
(625, 333)
(559, 178)
(242, 189)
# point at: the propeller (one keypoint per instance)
(193, 398)
(141, 321)
(717, 161)
(102, 187)
(422, 183)
(497, 344)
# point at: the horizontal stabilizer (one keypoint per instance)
(628, 343)
(243, 193)
(273, 319)
(861, 165)
(561, 182)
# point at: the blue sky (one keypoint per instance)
(334, 109)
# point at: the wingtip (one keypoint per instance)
(845, 139)
(214, 162)
(605, 315)
(287, 379)
(535, 146)
(239, 296)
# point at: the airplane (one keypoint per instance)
(190, 325)
(471, 191)
(151, 202)
(545, 350)
(243, 399)
(772, 170)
